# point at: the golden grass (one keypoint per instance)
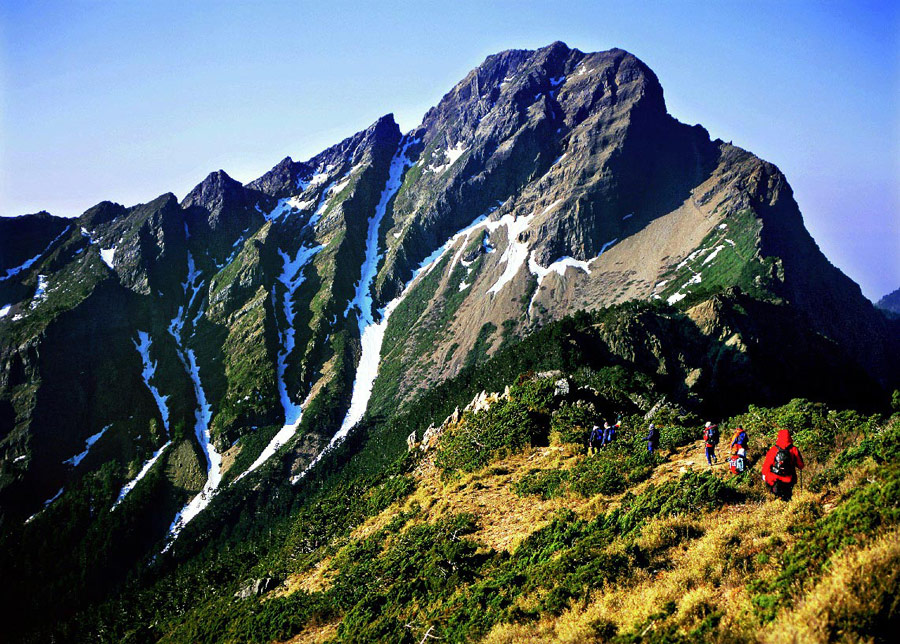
(318, 577)
(858, 584)
(693, 565)
(504, 517)
(316, 634)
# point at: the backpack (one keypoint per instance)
(783, 465)
(712, 435)
(737, 464)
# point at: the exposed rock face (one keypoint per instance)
(256, 588)
(594, 196)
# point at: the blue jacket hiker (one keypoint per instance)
(607, 438)
(711, 439)
(739, 441)
(595, 439)
(610, 431)
(652, 438)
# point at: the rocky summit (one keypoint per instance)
(179, 377)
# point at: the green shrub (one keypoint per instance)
(543, 483)
(535, 393)
(573, 423)
(503, 428)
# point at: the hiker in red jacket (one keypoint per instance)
(779, 470)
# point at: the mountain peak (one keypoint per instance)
(217, 186)
(103, 212)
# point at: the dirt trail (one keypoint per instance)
(688, 458)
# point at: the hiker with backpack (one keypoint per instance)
(711, 438)
(609, 433)
(652, 438)
(739, 440)
(595, 437)
(780, 466)
(738, 459)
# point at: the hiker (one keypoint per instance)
(711, 438)
(779, 469)
(596, 435)
(739, 440)
(652, 438)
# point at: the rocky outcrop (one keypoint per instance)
(256, 588)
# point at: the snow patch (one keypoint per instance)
(516, 252)
(107, 255)
(4, 310)
(676, 298)
(713, 254)
(75, 460)
(692, 257)
(606, 246)
(128, 487)
(46, 504)
(40, 293)
(203, 414)
(192, 282)
(556, 82)
(559, 266)
(319, 177)
(148, 373)
(291, 278)
(371, 332)
(30, 262)
(451, 156)
(628, 216)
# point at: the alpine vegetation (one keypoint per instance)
(552, 366)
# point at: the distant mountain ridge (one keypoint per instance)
(225, 342)
(890, 303)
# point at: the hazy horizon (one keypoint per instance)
(126, 102)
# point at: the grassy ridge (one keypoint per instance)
(711, 557)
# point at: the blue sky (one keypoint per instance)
(127, 100)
